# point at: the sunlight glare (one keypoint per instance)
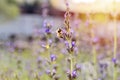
(83, 1)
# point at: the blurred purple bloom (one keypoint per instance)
(66, 44)
(54, 71)
(8, 43)
(95, 39)
(39, 59)
(47, 24)
(74, 74)
(103, 65)
(73, 43)
(100, 57)
(114, 60)
(50, 41)
(78, 67)
(43, 45)
(47, 30)
(44, 23)
(53, 57)
(67, 4)
(48, 71)
(63, 51)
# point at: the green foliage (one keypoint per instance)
(8, 8)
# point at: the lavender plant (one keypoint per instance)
(70, 42)
(51, 69)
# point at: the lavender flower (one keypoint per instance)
(114, 60)
(73, 43)
(51, 73)
(103, 66)
(95, 40)
(74, 74)
(48, 72)
(39, 60)
(47, 26)
(53, 57)
(66, 34)
(77, 67)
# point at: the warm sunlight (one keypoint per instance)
(83, 1)
(84, 6)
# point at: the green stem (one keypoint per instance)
(115, 37)
(115, 47)
(115, 73)
(93, 49)
(94, 56)
(71, 66)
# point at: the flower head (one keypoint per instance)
(114, 60)
(73, 43)
(47, 30)
(74, 74)
(47, 26)
(53, 57)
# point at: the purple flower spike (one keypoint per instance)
(53, 57)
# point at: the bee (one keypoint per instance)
(59, 33)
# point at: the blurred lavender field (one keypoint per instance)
(41, 40)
